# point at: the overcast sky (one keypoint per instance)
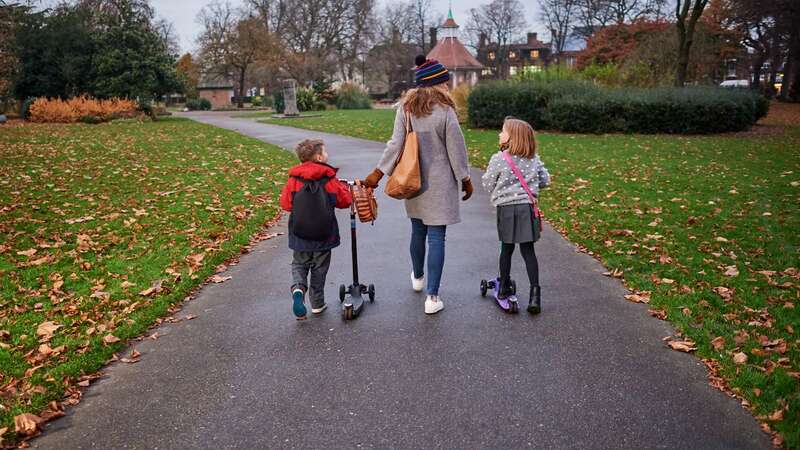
(183, 14)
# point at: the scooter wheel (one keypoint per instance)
(484, 288)
(371, 293)
(342, 292)
(513, 307)
(348, 312)
(513, 287)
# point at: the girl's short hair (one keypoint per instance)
(521, 138)
(308, 149)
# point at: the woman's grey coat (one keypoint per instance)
(443, 164)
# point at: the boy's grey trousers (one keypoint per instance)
(317, 263)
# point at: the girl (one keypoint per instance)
(518, 220)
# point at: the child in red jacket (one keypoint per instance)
(311, 194)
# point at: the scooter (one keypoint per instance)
(508, 304)
(351, 296)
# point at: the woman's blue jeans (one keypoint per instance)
(435, 235)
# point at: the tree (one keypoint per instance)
(131, 58)
(501, 20)
(189, 73)
(559, 17)
(232, 41)
(10, 18)
(421, 17)
(685, 24)
(615, 43)
(54, 51)
(594, 15)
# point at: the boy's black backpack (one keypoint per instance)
(312, 215)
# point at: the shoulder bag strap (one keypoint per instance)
(521, 179)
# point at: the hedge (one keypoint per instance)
(574, 106)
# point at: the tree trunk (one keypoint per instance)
(757, 65)
(683, 58)
(792, 65)
(240, 100)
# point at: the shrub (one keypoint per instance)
(91, 119)
(26, 107)
(255, 101)
(584, 108)
(307, 100)
(198, 104)
(324, 91)
(68, 111)
(352, 96)
(460, 96)
(277, 102)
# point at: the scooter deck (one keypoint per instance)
(508, 304)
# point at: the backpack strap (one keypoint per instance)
(536, 212)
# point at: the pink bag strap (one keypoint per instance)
(521, 179)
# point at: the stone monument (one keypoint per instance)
(290, 98)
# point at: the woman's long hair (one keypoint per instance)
(420, 101)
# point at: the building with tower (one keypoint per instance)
(448, 50)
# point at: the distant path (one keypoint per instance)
(590, 372)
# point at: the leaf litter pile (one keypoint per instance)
(704, 230)
(102, 229)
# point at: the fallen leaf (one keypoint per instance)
(27, 424)
(683, 346)
(639, 297)
(776, 416)
(718, 343)
(658, 313)
(220, 279)
(721, 239)
(46, 329)
(154, 289)
(110, 339)
(667, 280)
(28, 253)
(731, 271)
(739, 358)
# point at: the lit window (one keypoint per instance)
(513, 70)
(491, 56)
(534, 54)
(512, 54)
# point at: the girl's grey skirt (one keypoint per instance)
(515, 224)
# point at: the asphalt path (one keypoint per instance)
(590, 372)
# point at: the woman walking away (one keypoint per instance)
(443, 165)
(513, 179)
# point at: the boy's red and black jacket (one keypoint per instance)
(338, 192)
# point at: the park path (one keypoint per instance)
(590, 372)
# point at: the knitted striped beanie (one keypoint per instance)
(430, 72)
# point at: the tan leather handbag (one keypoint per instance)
(406, 179)
(364, 201)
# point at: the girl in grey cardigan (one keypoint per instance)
(443, 165)
(516, 221)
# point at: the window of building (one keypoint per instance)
(531, 69)
(534, 54)
(512, 54)
(491, 56)
(513, 70)
(486, 72)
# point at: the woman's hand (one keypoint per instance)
(466, 187)
(373, 179)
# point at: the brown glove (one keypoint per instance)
(373, 178)
(466, 187)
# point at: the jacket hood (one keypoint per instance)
(310, 170)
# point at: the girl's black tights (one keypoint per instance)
(531, 263)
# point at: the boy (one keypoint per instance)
(311, 194)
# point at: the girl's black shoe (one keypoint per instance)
(535, 302)
(506, 288)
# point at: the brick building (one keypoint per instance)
(504, 61)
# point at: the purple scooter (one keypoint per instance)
(508, 304)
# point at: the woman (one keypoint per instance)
(443, 164)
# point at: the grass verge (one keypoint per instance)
(703, 229)
(102, 229)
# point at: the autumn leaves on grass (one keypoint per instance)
(103, 230)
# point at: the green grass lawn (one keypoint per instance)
(103, 228)
(704, 229)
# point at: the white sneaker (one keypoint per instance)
(417, 283)
(433, 304)
(320, 309)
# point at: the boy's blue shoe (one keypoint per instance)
(298, 308)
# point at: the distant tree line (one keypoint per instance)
(104, 48)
